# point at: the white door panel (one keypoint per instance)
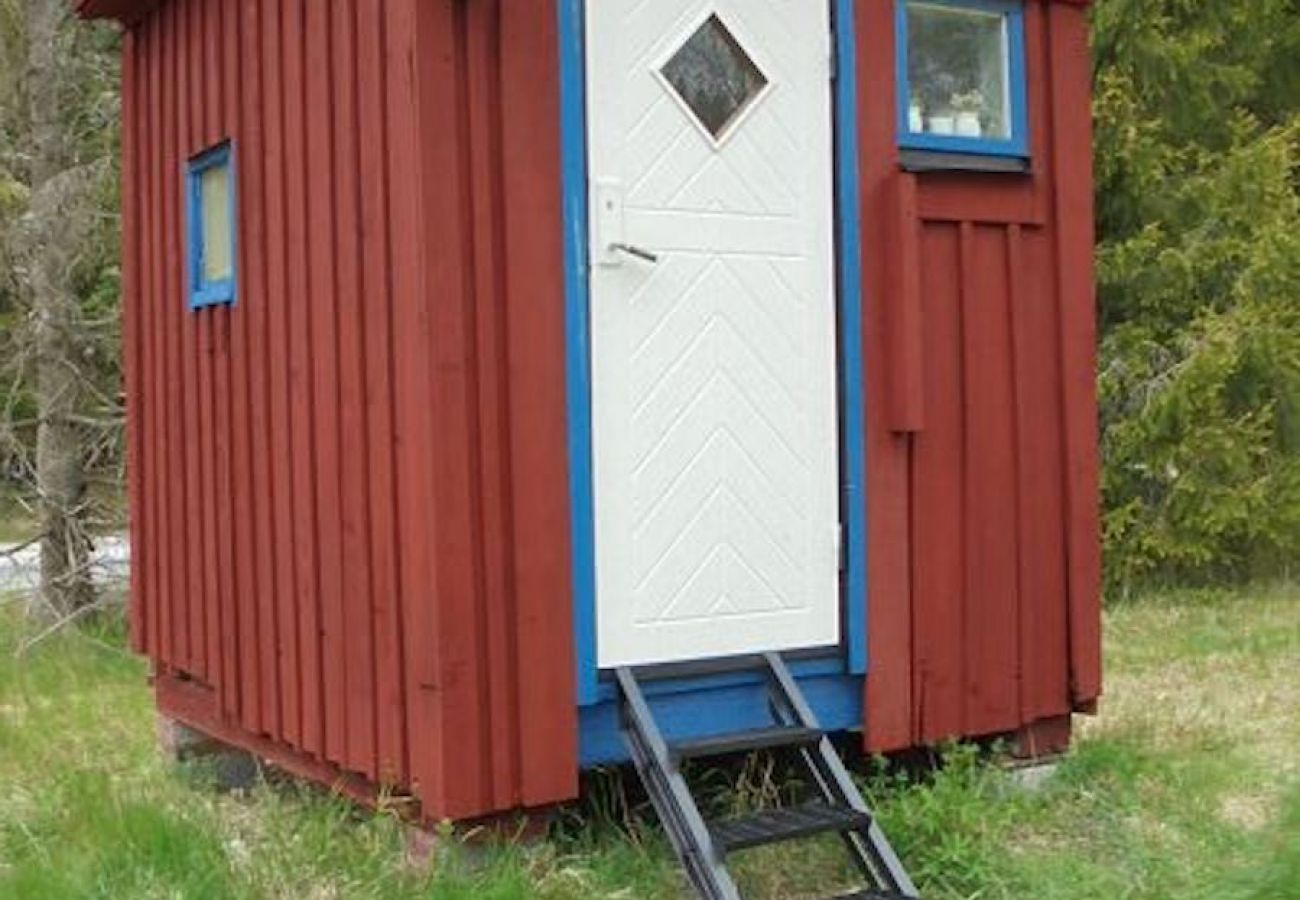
(714, 416)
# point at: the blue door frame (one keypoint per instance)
(836, 682)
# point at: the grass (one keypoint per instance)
(1187, 786)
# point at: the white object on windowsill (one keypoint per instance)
(968, 125)
(915, 119)
(942, 125)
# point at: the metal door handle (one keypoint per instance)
(638, 252)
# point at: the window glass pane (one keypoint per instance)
(714, 76)
(218, 255)
(957, 69)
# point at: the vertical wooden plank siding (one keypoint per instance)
(288, 636)
(187, 635)
(889, 703)
(259, 603)
(358, 609)
(1071, 139)
(377, 314)
(152, 340)
(487, 77)
(488, 426)
(321, 316)
(415, 402)
(132, 354)
(1044, 649)
(280, 446)
(532, 234)
(902, 315)
(205, 101)
(239, 413)
(992, 630)
(448, 295)
(997, 626)
(938, 496)
(302, 411)
(229, 562)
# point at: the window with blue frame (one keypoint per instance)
(211, 213)
(961, 77)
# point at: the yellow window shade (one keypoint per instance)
(218, 252)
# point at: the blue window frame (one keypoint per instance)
(961, 77)
(210, 204)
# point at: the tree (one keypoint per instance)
(60, 103)
(1198, 162)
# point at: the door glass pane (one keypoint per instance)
(218, 252)
(957, 69)
(714, 76)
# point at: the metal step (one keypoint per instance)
(702, 847)
(775, 825)
(746, 742)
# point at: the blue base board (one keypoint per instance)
(718, 704)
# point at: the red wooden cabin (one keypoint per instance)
(477, 347)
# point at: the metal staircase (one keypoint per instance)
(703, 847)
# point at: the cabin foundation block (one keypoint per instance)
(468, 843)
(232, 768)
(1046, 739)
(1035, 776)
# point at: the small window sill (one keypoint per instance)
(219, 293)
(940, 161)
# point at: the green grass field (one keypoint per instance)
(1187, 786)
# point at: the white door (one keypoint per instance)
(713, 328)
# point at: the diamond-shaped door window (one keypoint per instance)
(714, 76)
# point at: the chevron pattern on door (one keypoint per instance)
(713, 329)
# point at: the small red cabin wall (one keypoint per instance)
(984, 589)
(349, 493)
(336, 560)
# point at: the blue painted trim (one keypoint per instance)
(574, 172)
(852, 382)
(1018, 145)
(719, 704)
(204, 293)
(573, 133)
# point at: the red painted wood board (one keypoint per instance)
(938, 499)
(132, 355)
(534, 290)
(991, 485)
(1070, 78)
(391, 740)
(889, 696)
(903, 315)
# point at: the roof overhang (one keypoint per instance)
(130, 10)
(122, 10)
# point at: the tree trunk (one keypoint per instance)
(60, 478)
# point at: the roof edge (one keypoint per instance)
(125, 11)
(131, 10)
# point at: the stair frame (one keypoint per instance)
(692, 838)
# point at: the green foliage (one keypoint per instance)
(1198, 163)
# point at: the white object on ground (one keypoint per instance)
(21, 570)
